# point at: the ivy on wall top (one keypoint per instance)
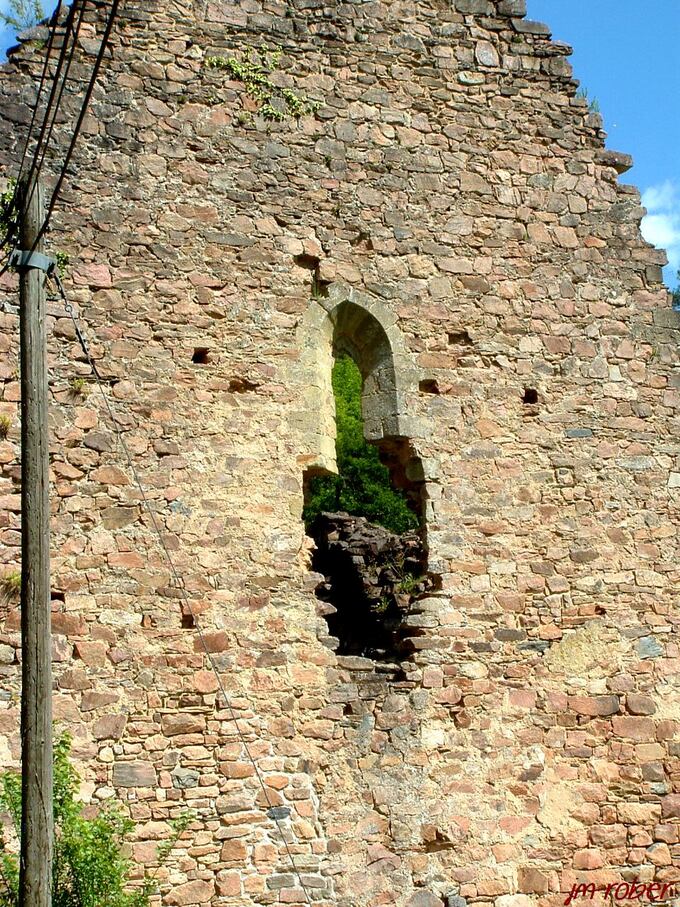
(254, 71)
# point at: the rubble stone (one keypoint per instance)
(447, 213)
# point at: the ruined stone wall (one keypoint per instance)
(452, 187)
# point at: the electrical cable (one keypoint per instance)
(50, 41)
(51, 108)
(175, 574)
(31, 181)
(76, 34)
(41, 146)
(50, 101)
(81, 117)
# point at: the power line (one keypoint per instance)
(57, 104)
(11, 234)
(176, 577)
(81, 117)
(55, 82)
(57, 93)
(43, 77)
(50, 41)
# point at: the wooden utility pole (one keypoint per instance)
(35, 876)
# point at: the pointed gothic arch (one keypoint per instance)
(352, 323)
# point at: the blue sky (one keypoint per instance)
(627, 57)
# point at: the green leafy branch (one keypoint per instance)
(254, 70)
(363, 485)
(89, 869)
(21, 14)
(8, 211)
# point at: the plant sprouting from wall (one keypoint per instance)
(21, 14)
(10, 585)
(89, 866)
(78, 387)
(254, 70)
(593, 103)
(8, 212)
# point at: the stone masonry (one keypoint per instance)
(450, 216)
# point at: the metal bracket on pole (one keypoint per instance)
(24, 260)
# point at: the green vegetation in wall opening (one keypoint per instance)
(89, 868)
(362, 486)
(254, 70)
(676, 293)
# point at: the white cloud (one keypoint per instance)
(661, 226)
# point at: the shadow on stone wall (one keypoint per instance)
(372, 576)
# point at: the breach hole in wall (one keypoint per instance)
(367, 520)
(311, 262)
(188, 621)
(201, 355)
(371, 578)
(429, 386)
(530, 396)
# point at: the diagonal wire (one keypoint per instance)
(43, 77)
(50, 41)
(10, 237)
(42, 146)
(81, 117)
(68, 26)
(57, 103)
(180, 585)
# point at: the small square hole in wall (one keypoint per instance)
(311, 262)
(201, 355)
(530, 396)
(429, 386)
(459, 338)
(188, 622)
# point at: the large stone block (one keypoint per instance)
(134, 774)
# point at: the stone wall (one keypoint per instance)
(453, 186)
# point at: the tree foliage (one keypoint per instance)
(8, 215)
(21, 14)
(88, 868)
(676, 293)
(362, 486)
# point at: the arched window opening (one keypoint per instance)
(363, 484)
(367, 520)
